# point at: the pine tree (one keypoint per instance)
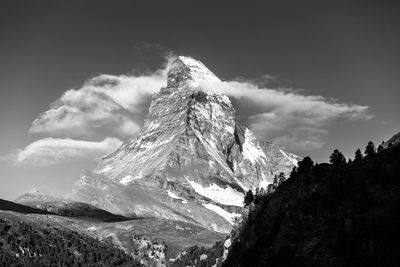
(370, 150)
(278, 179)
(260, 192)
(248, 198)
(337, 158)
(306, 164)
(358, 155)
(380, 148)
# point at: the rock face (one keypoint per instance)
(192, 160)
(394, 140)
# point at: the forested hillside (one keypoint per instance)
(337, 214)
(25, 243)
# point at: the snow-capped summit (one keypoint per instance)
(186, 68)
(191, 161)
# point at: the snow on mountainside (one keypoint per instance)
(192, 160)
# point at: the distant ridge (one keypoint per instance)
(12, 206)
(69, 208)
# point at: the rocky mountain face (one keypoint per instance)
(192, 161)
(394, 140)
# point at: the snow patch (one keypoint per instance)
(106, 169)
(126, 179)
(153, 125)
(264, 184)
(230, 129)
(129, 178)
(216, 228)
(172, 195)
(250, 150)
(225, 196)
(291, 159)
(230, 217)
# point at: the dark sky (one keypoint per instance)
(345, 50)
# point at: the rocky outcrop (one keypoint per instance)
(394, 140)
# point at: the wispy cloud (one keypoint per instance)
(50, 151)
(104, 105)
(288, 116)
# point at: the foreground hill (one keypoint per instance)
(27, 243)
(326, 215)
(151, 241)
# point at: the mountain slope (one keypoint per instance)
(11, 206)
(394, 140)
(192, 160)
(67, 208)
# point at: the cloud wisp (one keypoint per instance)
(287, 116)
(51, 151)
(106, 105)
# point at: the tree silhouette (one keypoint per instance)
(248, 198)
(306, 164)
(260, 192)
(278, 179)
(358, 155)
(370, 149)
(380, 148)
(337, 158)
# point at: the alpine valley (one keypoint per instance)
(179, 183)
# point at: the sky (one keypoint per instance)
(76, 77)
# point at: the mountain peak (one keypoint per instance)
(191, 161)
(186, 68)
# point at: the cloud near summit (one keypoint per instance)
(104, 105)
(287, 116)
(110, 105)
(50, 151)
